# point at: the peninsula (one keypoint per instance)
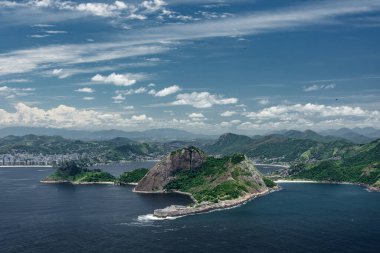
(212, 183)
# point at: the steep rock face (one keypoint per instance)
(189, 158)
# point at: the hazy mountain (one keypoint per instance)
(349, 134)
(368, 131)
(280, 147)
(308, 135)
(163, 134)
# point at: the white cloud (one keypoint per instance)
(168, 91)
(64, 116)
(316, 87)
(88, 98)
(197, 116)
(86, 90)
(55, 32)
(140, 90)
(101, 9)
(129, 107)
(14, 81)
(26, 60)
(118, 98)
(313, 115)
(202, 100)
(228, 113)
(115, 79)
(10, 93)
(152, 92)
(144, 41)
(141, 117)
(39, 36)
(263, 101)
(153, 5)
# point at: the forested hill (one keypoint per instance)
(281, 148)
(361, 164)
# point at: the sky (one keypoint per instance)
(244, 66)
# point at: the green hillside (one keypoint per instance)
(281, 147)
(360, 164)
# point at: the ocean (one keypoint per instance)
(36, 217)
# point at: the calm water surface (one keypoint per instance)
(36, 217)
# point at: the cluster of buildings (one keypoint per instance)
(23, 159)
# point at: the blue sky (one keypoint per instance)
(205, 66)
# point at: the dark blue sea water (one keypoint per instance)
(37, 217)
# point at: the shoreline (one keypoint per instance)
(86, 183)
(175, 211)
(76, 183)
(26, 166)
(369, 187)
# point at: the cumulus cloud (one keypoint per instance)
(64, 116)
(153, 5)
(115, 79)
(167, 91)
(312, 115)
(118, 98)
(141, 117)
(228, 113)
(117, 9)
(202, 100)
(316, 87)
(197, 116)
(88, 98)
(132, 91)
(86, 90)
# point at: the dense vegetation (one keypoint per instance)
(269, 183)
(77, 172)
(217, 179)
(361, 165)
(132, 176)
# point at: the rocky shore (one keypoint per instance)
(176, 211)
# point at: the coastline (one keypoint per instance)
(197, 208)
(26, 166)
(369, 187)
(85, 183)
(75, 183)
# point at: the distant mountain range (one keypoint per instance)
(356, 135)
(286, 147)
(162, 134)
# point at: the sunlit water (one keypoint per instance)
(37, 217)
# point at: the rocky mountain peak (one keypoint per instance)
(163, 172)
